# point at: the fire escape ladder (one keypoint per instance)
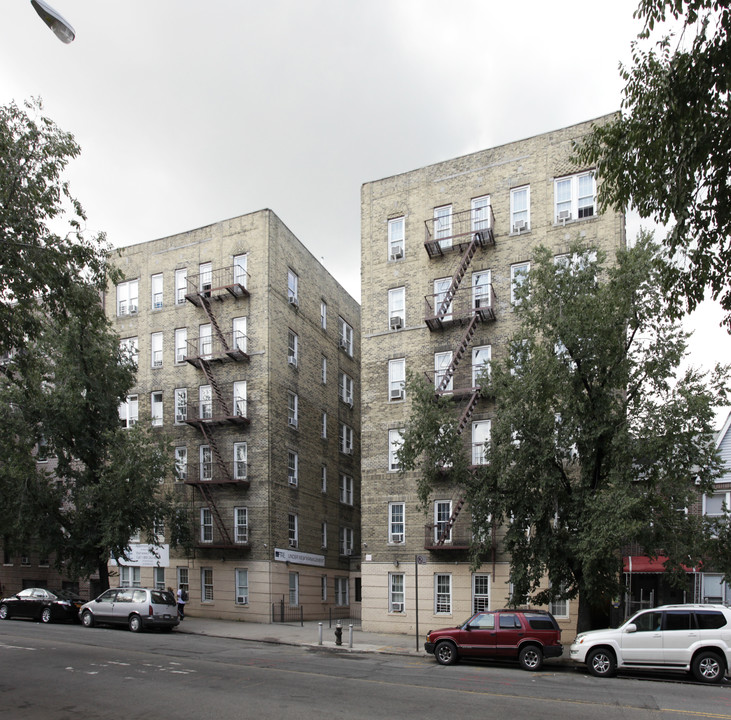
(206, 367)
(206, 302)
(459, 352)
(447, 529)
(467, 412)
(464, 263)
(208, 499)
(211, 441)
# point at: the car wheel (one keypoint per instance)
(530, 657)
(4, 612)
(46, 615)
(135, 623)
(445, 653)
(708, 667)
(87, 619)
(601, 663)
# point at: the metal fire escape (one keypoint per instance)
(211, 413)
(463, 307)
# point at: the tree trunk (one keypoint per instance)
(583, 622)
(103, 576)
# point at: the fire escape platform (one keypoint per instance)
(436, 323)
(218, 420)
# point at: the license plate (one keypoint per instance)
(167, 617)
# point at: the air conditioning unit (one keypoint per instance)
(396, 322)
(519, 226)
(343, 344)
(398, 538)
(292, 360)
(292, 479)
(348, 451)
(563, 216)
(180, 417)
(397, 607)
(293, 301)
(397, 394)
(293, 422)
(292, 543)
(132, 309)
(477, 237)
(348, 400)
(348, 551)
(397, 253)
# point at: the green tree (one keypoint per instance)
(595, 443)
(668, 154)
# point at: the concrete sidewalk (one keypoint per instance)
(307, 635)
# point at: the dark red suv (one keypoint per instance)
(527, 636)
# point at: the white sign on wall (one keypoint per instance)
(143, 555)
(299, 558)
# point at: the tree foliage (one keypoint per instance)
(595, 443)
(669, 152)
(63, 375)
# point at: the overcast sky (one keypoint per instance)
(190, 111)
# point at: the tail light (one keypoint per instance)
(149, 611)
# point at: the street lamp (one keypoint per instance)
(63, 30)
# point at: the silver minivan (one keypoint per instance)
(137, 608)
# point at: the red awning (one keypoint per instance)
(646, 564)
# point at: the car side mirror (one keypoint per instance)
(98, 600)
(631, 628)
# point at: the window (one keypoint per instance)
(346, 541)
(518, 277)
(480, 214)
(443, 226)
(239, 398)
(442, 308)
(520, 209)
(205, 278)
(239, 334)
(292, 467)
(292, 284)
(293, 530)
(323, 588)
(205, 402)
(156, 408)
(717, 505)
(346, 337)
(323, 314)
(442, 593)
(130, 349)
(396, 522)
(205, 340)
(345, 387)
(42, 451)
(129, 576)
(341, 592)
(324, 370)
(240, 461)
(292, 348)
(481, 289)
(240, 270)
(481, 357)
(323, 535)
(480, 592)
(241, 524)
(127, 297)
(181, 405)
(181, 344)
(156, 289)
(396, 593)
(480, 438)
(442, 515)
(128, 412)
(206, 525)
(156, 349)
(346, 439)
(323, 479)
(396, 238)
(181, 463)
(442, 361)
(181, 285)
(182, 573)
(397, 308)
(559, 608)
(323, 431)
(206, 462)
(206, 584)
(242, 587)
(395, 441)
(159, 578)
(575, 197)
(396, 379)
(346, 489)
(292, 409)
(294, 589)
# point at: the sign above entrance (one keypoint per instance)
(299, 558)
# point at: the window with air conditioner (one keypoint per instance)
(292, 409)
(127, 297)
(396, 522)
(346, 541)
(293, 288)
(292, 467)
(156, 289)
(181, 463)
(520, 209)
(346, 336)
(443, 226)
(293, 530)
(346, 439)
(241, 525)
(346, 388)
(346, 489)
(205, 278)
(129, 412)
(241, 465)
(575, 197)
(181, 345)
(395, 442)
(481, 289)
(396, 308)
(156, 349)
(396, 594)
(241, 275)
(396, 378)
(480, 214)
(181, 285)
(396, 238)
(242, 586)
(156, 408)
(292, 348)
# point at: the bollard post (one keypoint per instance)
(319, 633)
(350, 635)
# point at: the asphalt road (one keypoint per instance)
(65, 672)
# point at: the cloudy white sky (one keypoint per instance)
(192, 111)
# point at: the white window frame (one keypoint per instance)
(292, 287)
(293, 530)
(519, 273)
(129, 411)
(205, 277)
(570, 196)
(156, 350)
(206, 584)
(293, 467)
(481, 361)
(180, 405)
(240, 266)
(241, 525)
(442, 361)
(156, 291)
(323, 534)
(130, 348)
(396, 238)
(346, 388)
(441, 288)
(292, 409)
(181, 345)
(240, 406)
(346, 541)
(323, 314)
(127, 298)
(396, 592)
(294, 589)
(442, 593)
(346, 336)
(345, 438)
(181, 285)
(443, 226)
(480, 438)
(395, 441)
(396, 523)
(323, 430)
(241, 463)
(342, 592)
(181, 463)
(205, 340)
(156, 408)
(205, 402)
(480, 599)
(206, 535)
(292, 348)
(239, 337)
(479, 215)
(205, 468)
(397, 380)
(481, 287)
(324, 370)
(242, 586)
(346, 489)
(519, 211)
(323, 478)
(442, 513)
(397, 308)
(323, 588)
(725, 497)
(129, 576)
(559, 608)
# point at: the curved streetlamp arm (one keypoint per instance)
(62, 28)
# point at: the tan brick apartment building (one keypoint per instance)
(442, 248)
(248, 361)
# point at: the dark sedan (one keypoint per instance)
(42, 604)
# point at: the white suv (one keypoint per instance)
(672, 637)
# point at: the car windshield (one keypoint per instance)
(66, 595)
